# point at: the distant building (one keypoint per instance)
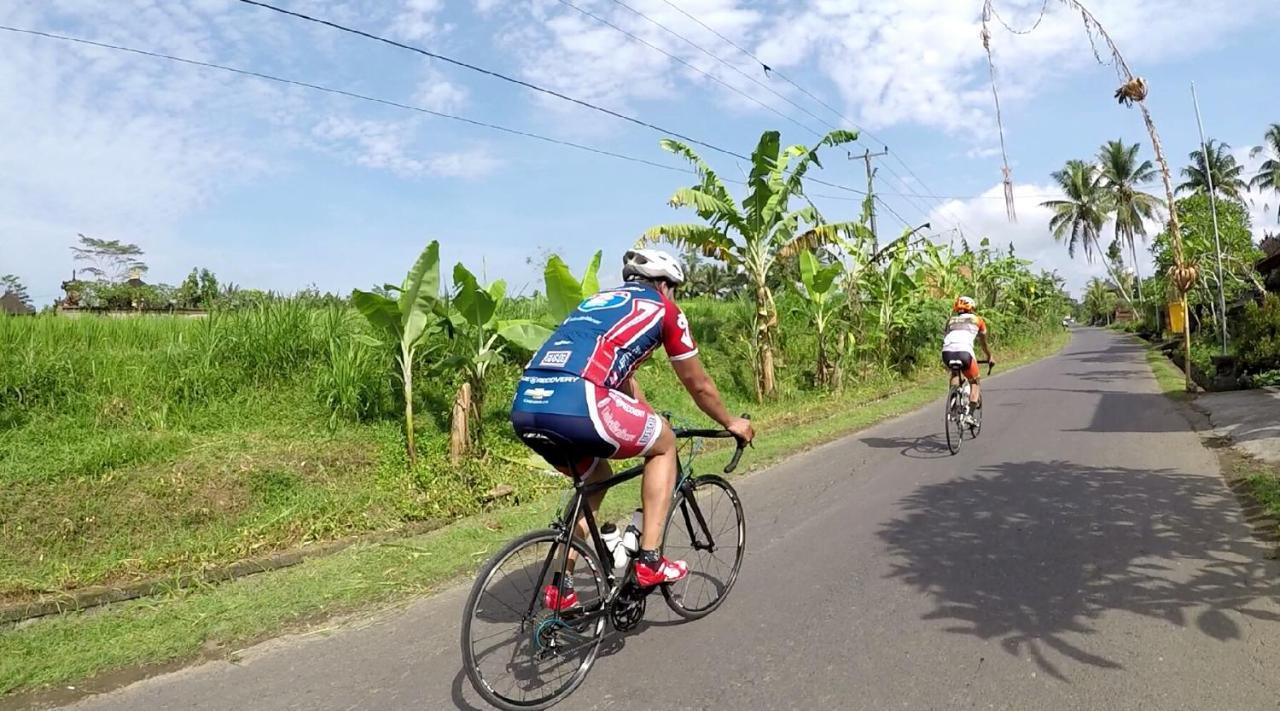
(11, 305)
(1269, 266)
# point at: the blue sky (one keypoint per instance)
(281, 187)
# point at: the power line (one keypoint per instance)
(348, 94)
(767, 69)
(496, 75)
(518, 82)
(682, 62)
(895, 212)
(809, 94)
(722, 61)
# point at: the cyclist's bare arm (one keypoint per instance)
(982, 341)
(707, 397)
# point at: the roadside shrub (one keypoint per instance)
(1258, 340)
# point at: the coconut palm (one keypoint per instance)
(1078, 219)
(1121, 176)
(754, 237)
(1222, 168)
(1268, 177)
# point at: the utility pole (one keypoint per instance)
(866, 156)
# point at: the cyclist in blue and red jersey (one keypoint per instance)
(581, 386)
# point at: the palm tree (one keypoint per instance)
(1222, 167)
(1268, 177)
(764, 230)
(1121, 176)
(1078, 219)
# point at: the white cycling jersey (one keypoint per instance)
(961, 332)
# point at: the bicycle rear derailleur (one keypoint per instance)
(628, 608)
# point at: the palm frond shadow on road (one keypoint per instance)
(1033, 554)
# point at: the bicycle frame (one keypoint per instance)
(567, 523)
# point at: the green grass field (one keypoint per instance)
(181, 624)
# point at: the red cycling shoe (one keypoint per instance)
(558, 598)
(668, 571)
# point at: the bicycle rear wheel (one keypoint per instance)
(952, 420)
(517, 653)
(707, 529)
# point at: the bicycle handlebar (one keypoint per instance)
(685, 433)
(991, 365)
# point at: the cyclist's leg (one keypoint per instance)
(974, 375)
(658, 483)
(637, 431)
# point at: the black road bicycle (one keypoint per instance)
(958, 406)
(519, 654)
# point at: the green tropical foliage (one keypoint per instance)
(1122, 177)
(1217, 164)
(753, 236)
(405, 322)
(1078, 219)
(820, 302)
(1239, 253)
(1268, 175)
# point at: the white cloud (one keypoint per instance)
(416, 20)
(387, 145)
(910, 61)
(984, 216)
(437, 93)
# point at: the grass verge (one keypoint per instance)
(1256, 482)
(1169, 377)
(187, 623)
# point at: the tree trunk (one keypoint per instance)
(822, 378)
(406, 377)
(1124, 293)
(1137, 274)
(766, 320)
(459, 436)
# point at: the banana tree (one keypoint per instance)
(405, 323)
(892, 296)
(754, 235)
(819, 289)
(564, 291)
(479, 339)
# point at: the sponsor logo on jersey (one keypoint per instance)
(548, 380)
(562, 342)
(616, 428)
(539, 393)
(623, 403)
(605, 300)
(587, 319)
(555, 358)
(650, 427)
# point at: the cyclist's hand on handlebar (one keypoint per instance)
(741, 428)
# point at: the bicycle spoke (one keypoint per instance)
(516, 651)
(708, 514)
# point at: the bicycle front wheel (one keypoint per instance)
(705, 528)
(951, 423)
(517, 653)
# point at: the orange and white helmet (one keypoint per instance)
(964, 305)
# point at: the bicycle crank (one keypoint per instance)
(628, 608)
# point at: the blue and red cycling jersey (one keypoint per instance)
(610, 333)
(571, 385)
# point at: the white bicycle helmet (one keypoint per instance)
(652, 264)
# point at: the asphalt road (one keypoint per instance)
(1084, 553)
